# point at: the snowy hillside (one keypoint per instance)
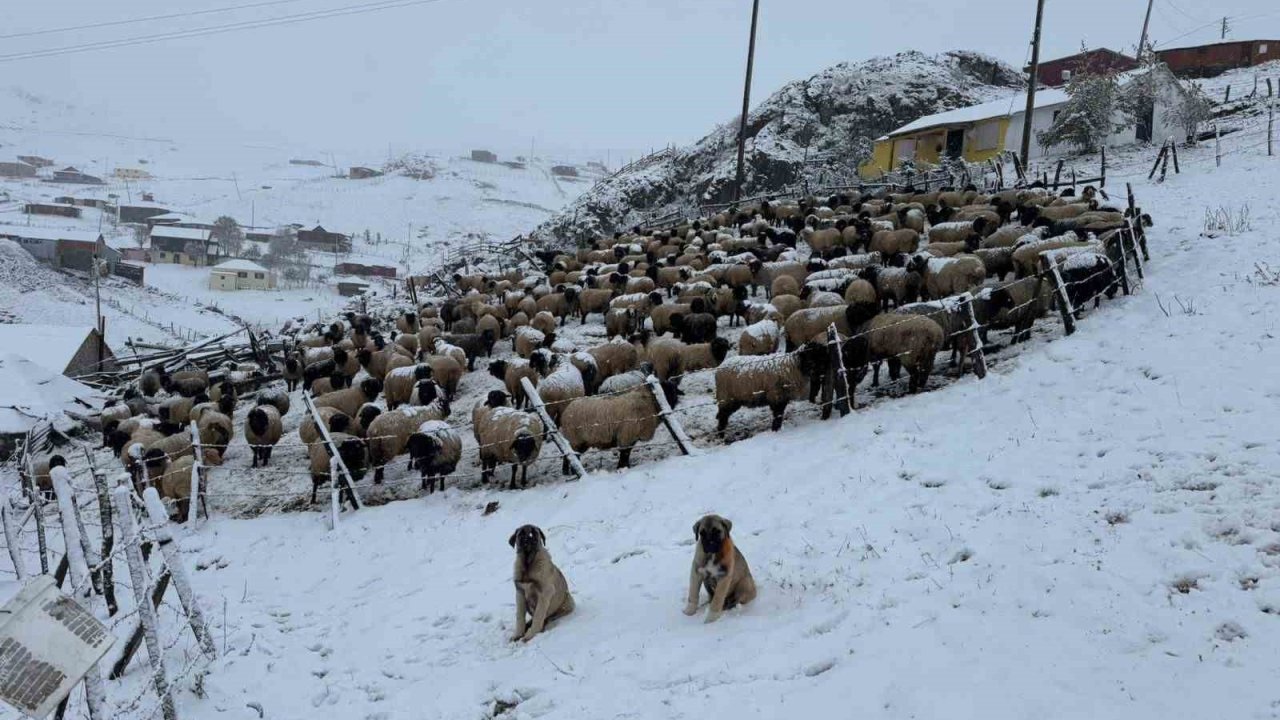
(829, 119)
(1089, 531)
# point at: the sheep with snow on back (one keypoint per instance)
(307, 430)
(434, 450)
(593, 300)
(948, 276)
(352, 453)
(899, 285)
(699, 325)
(909, 341)
(1026, 254)
(771, 381)
(510, 372)
(505, 435)
(629, 380)
(350, 399)
(606, 422)
(609, 359)
(820, 298)
(262, 430)
(1088, 275)
(561, 382)
(216, 431)
(544, 322)
(464, 349)
(891, 242)
(398, 387)
(528, 339)
(760, 338)
(672, 358)
(388, 434)
(620, 321)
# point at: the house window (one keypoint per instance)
(1262, 48)
(986, 136)
(1056, 113)
(242, 274)
(257, 276)
(1066, 75)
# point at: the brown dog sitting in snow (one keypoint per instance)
(720, 567)
(541, 590)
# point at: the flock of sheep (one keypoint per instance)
(747, 295)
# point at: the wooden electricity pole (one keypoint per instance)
(746, 103)
(1032, 78)
(1146, 23)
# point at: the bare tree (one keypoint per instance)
(227, 233)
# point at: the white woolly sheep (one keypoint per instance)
(505, 435)
(614, 421)
(771, 381)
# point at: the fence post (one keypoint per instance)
(1217, 140)
(1102, 175)
(571, 457)
(78, 570)
(1271, 122)
(33, 496)
(1159, 156)
(146, 611)
(335, 503)
(1226, 98)
(1118, 239)
(108, 538)
(838, 374)
(668, 417)
(975, 338)
(1164, 165)
(197, 468)
(829, 379)
(159, 518)
(1050, 269)
(11, 539)
(1173, 147)
(1133, 248)
(333, 450)
(1057, 173)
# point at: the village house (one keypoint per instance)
(320, 239)
(184, 246)
(1213, 59)
(1058, 72)
(56, 209)
(17, 169)
(72, 175)
(66, 350)
(360, 270)
(981, 132)
(140, 212)
(484, 156)
(240, 275)
(72, 249)
(351, 286)
(35, 161)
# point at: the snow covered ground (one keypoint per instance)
(268, 308)
(1091, 531)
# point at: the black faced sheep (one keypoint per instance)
(766, 380)
(435, 450)
(505, 435)
(606, 422)
(262, 430)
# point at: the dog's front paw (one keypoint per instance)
(712, 616)
(691, 609)
(527, 636)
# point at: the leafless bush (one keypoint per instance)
(1225, 221)
(1265, 275)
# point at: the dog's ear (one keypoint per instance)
(542, 536)
(695, 529)
(728, 526)
(512, 540)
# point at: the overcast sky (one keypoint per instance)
(611, 75)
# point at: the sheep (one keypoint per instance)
(855, 262)
(673, 358)
(891, 242)
(611, 358)
(446, 372)
(528, 339)
(1026, 255)
(909, 341)
(276, 397)
(699, 325)
(177, 410)
(1008, 235)
(614, 421)
(561, 382)
(111, 416)
(307, 430)
(997, 260)
(187, 383)
(805, 325)
(951, 249)
(149, 383)
(1087, 276)
(350, 399)
(262, 430)
(510, 373)
(489, 328)
(388, 434)
(965, 231)
(620, 321)
(505, 435)
(766, 273)
(216, 431)
(560, 304)
(544, 322)
(335, 381)
(662, 317)
(41, 477)
(464, 349)
(629, 380)
(955, 323)
(351, 450)
(1017, 305)
(434, 450)
(821, 242)
(899, 285)
(771, 380)
(760, 338)
(408, 341)
(784, 285)
(948, 276)
(292, 373)
(787, 305)
(399, 384)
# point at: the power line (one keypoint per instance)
(112, 23)
(218, 29)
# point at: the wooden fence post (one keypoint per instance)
(1117, 239)
(197, 468)
(668, 417)
(1271, 122)
(1217, 139)
(1173, 147)
(335, 501)
(975, 337)
(571, 457)
(108, 538)
(839, 376)
(1133, 247)
(11, 539)
(1057, 173)
(1102, 175)
(1050, 269)
(146, 611)
(33, 496)
(159, 518)
(1164, 165)
(94, 693)
(1159, 156)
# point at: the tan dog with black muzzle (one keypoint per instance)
(720, 567)
(541, 590)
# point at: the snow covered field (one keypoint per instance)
(269, 308)
(1091, 531)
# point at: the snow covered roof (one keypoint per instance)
(167, 231)
(351, 279)
(1005, 107)
(52, 347)
(48, 233)
(1214, 42)
(239, 265)
(33, 393)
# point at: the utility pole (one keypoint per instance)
(1146, 23)
(746, 103)
(1028, 116)
(1225, 27)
